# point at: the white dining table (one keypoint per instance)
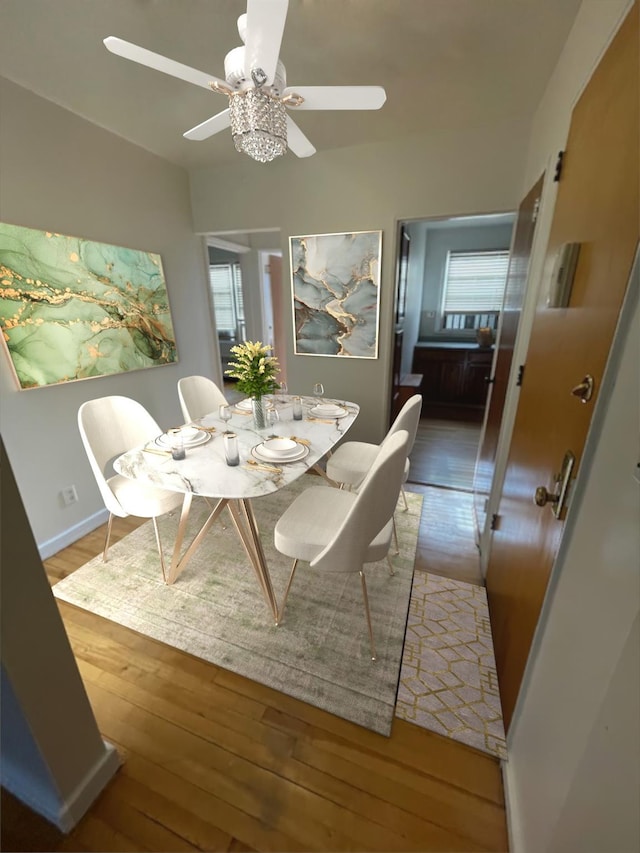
(204, 472)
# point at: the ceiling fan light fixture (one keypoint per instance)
(258, 124)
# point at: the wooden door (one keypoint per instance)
(597, 206)
(277, 305)
(511, 310)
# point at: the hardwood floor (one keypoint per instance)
(444, 453)
(213, 761)
(446, 544)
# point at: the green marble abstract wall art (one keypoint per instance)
(335, 279)
(75, 309)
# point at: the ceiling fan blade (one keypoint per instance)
(161, 63)
(297, 141)
(339, 97)
(209, 127)
(264, 29)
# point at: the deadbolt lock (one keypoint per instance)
(557, 498)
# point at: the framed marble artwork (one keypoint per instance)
(75, 309)
(335, 282)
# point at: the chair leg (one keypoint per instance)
(107, 538)
(286, 592)
(404, 498)
(390, 564)
(159, 544)
(395, 534)
(366, 607)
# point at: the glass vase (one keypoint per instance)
(259, 412)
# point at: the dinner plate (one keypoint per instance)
(245, 405)
(165, 442)
(262, 457)
(327, 410)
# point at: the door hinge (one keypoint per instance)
(536, 210)
(495, 520)
(558, 171)
(520, 375)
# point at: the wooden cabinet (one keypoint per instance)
(454, 379)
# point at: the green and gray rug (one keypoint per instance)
(216, 611)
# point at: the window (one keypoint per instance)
(226, 291)
(474, 285)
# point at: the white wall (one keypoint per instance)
(53, 757)
(63, 174)
(371, 187)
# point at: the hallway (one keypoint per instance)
(442, 465)
(444, 453)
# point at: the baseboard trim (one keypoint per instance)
(65, 815)
(514, 830)
(72, 534)
(76, 806)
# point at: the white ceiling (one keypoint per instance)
(444, 63)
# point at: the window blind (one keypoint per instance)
(474, 282)
(226, 290)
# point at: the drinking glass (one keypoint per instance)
(318, 390)
(230, 440)
(297, 409)
(224, 412)
(273, 417)
(284, 391)
(177, 443)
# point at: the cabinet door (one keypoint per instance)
(427, 362)
(452, 378)
(476, 374)
(431, 381)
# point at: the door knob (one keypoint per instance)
(543, 497)
(584, 390)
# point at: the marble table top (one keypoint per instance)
(204, 470)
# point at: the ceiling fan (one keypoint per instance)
(256, 85)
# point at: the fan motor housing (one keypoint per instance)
(235, 76)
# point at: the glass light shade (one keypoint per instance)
(258, 124)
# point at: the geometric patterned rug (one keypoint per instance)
(448, 682)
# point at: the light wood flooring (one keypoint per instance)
(213, 761)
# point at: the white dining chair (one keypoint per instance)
(109, 426)
(348, 465)
(338, 530)
(199, 396)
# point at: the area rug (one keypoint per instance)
(216, 611)
(448, 681)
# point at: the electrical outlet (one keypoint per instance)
(69, 495)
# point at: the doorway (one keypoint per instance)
(450, 285)
(245, 276)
